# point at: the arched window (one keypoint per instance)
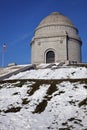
(50, 57)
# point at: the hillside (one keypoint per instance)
(48, 104)
(54, 71)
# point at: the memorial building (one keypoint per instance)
(56, 39)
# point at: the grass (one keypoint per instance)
(12, 109)
(73, 102)
(34, 87)
(42, 105)
(16, 93)
(64, 128)
(20, 84)
(44, 81)
(83, 102)
(25, 101)
(85, 86)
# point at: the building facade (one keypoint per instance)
(55, 39)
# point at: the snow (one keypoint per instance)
(62, 109)
(9, 69)
(51, 73)
(33, 105)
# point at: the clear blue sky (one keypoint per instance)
(19, 18)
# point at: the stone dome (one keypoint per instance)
(56, 24)
(56, 18)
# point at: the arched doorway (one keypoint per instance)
(50, 57)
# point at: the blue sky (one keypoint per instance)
(19, 18)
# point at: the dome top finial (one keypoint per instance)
(56, 13)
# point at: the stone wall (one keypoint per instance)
(41, 46)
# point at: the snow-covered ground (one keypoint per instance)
(10, 69)
(37, 105)
(53, 73)
(33, 106)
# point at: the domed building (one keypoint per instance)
(56, 39)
